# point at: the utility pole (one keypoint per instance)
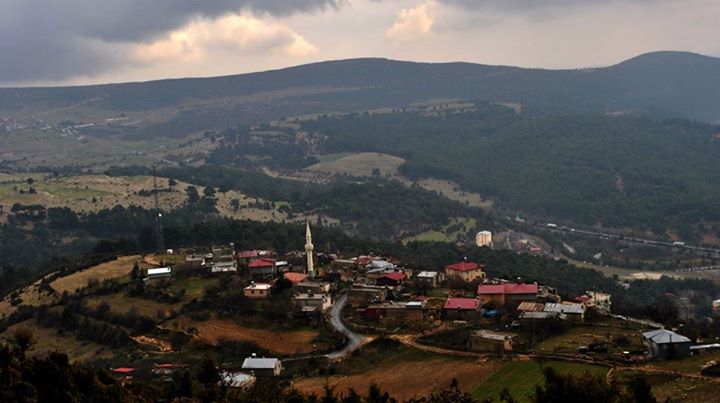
(159, 235)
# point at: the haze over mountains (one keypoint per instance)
(677, 84)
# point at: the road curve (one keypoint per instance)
(354, 340)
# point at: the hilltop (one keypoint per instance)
(670, 83)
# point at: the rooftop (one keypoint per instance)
(259, 286)
(260, 363)
(427, 274)
(464, 266)
(565, 308)
(664, 336)
(462, 303)
(492, 335)
(394, 276)
(262, 263)
(508, 288)
(296, 277)
(159, 270)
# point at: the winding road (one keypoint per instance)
(354, 340)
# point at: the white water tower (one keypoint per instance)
(484, 238)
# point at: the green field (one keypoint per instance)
(691, 365)
(521, 378)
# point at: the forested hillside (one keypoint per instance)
(614, 170)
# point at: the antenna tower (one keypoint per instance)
(159, 236)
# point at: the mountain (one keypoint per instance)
(670, 83)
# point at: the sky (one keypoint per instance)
(63, 42)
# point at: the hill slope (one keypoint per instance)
(676, 83)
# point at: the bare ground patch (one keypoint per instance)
(406, 380)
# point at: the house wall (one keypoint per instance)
(468, 276)
(497, 299)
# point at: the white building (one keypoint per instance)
(484, 238)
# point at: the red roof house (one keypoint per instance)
(390, 279)
(296, 277)
(262, 268)
(502, 294)
(466, 271)
(462, 308)
(462, 304)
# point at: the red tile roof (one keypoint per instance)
(123, 370)
(247, 254)
(262, 263)
(462, 303)
(296, 277)
(394, 276)
(508, 288)
(464, 266)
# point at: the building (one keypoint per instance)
(530, 307)
(262, 268)
(431, 278)
(194, 261)
(313, 286)
(664, 344)
(390, 279)
(158, 274)
(363, 296)
(528, 319)
(257, 290)
(262, 367)
(465, 271)
(575, 312)
(168, 368)
(237, 380)
(309, 251)
(484, 238)
(507, 293)
(599, 301)
(225, 266)
(488, 341)
(462, 309)
(308, 302)
(295, 277)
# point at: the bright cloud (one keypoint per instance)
(242, 34)
(411, 24)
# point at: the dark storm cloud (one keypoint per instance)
(56, 39)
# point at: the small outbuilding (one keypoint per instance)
(262, 367)
(664, 344)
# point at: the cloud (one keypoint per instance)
(411, 24)
(58, 39)
(229, 33)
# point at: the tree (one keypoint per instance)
(23, 340)
(192, 194)
(208, 373)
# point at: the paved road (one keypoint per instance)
(354, 340)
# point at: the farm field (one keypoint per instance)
(521, 378)
(360, 164)
(452, 191)
(403, 372)
(117, 268)
(47, 340)
(284, 343)
(690, 365)
(573, 338)
(677, 389)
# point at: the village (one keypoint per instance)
(454, 310)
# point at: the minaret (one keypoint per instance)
(309, 251)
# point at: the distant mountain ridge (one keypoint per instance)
(675, 83)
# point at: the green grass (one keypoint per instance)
(569, 341)
(521, 378)
(691, 364)
(331, 157)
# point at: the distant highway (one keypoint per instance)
(602, 235)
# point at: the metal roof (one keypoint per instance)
(564, 308)
(664, 336)
(428, 274)
(159, 270)
(260, 363)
